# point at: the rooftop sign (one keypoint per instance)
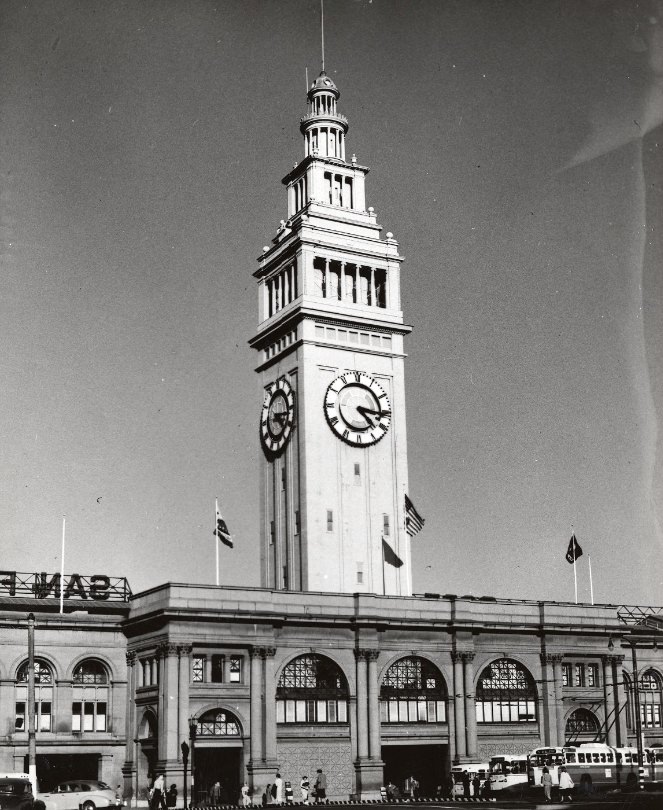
(98, 587)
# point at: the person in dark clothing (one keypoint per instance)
(467, 785)
(476, 786)
(171, 796)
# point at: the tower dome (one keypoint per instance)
(323, 128)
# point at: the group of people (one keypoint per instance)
(410, 789)
(473, 787)
(159, 797)
(565, 784)
(280, 792)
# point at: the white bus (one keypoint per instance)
(473, 769)
(508, 771)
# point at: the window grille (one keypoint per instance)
(413, 691)
(218, 723)
(506, 694)
(311, 689)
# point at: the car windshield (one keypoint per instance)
(14, 788)
(102, 786)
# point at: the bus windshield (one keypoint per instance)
(547, 758)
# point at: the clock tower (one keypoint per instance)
(333, 464)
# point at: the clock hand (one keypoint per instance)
(367, 413)
(280, 417)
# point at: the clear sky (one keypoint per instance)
(515, 154)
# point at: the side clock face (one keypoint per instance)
(278, 415)
(357, 409)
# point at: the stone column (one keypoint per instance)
(269, 744)
(184, 663)
(129, 766)
(559, 702)
(256, 691)
(372, 288)
(610, 699)
(470, 705)
(548, 717)
(327, 279)
(621, 698)
(362, 700)
(368, 765)
(169, 746)
(459, 706)
(374, 743)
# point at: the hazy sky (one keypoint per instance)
(515, 155)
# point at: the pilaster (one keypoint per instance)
(548, 717)
(621, 697)
(368, 765)
(269, 708)
(470, 704)
(559, 702)
(129, 766)
(459, 707)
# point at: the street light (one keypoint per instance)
(185, 762)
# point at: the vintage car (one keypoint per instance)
(78, 794)
(16, 792)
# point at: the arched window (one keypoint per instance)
(43, 696)
(651, 694)
(506, 694)
(413, 691)
(582, 723)
(89, 707)
(218, 723)
(90, 671)
(312, 689)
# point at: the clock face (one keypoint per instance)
(278, 415)
(357, 409)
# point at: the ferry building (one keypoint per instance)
(333, 662)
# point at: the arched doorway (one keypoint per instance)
(413, 714)
(218, 757)
(145, 753)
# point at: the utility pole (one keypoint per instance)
(30, 708)
(638, 719)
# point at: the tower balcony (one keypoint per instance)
(322, 117)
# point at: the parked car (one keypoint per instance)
(86, 794)
(16, 792)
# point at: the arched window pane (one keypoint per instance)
(413, 691)
(311, 689)
(582, 721)
(218, 723)
(41, 669)
(90, 671)
(651, 699)
(506, 694)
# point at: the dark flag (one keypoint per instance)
(221, 530)
(573, 551)
(389, 555)
(414, 523)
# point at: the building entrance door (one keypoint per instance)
(220, 764)
(429, 764)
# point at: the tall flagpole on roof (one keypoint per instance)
(574, 541)
(218, 539)
(62, 569)
(591, 584)
(322, 28)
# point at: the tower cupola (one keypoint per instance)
(323, 128)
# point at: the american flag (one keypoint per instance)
(221, 530)
(414, 523)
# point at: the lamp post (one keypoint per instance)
(192, 738)
(185, 763)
